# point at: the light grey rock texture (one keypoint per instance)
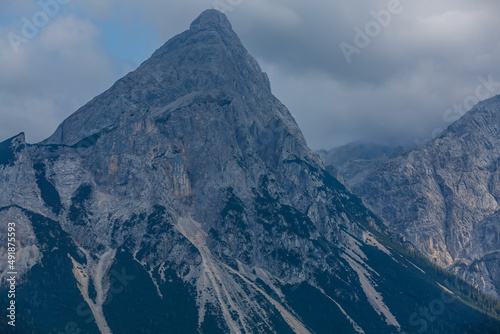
(444, 196)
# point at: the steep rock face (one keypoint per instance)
(444, 196)
(185, 198)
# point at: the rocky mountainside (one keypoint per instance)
(353, 162)
(185, 200)
(444, 197)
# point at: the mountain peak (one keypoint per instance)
(207, 59)
(9, 147)
(18, 139)
(209, 20)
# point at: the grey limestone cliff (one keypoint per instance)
(444, 196)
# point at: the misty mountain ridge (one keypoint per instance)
(443, 196)
(354, 161)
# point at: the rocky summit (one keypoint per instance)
(444, 196)
(185, 200)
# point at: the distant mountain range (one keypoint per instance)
(353, 162)
(184, 199)
(445, 196)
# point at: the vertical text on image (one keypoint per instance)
(12, 274)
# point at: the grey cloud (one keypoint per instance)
(398, 88)
(51, 76)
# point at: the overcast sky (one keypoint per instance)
(381, 71)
